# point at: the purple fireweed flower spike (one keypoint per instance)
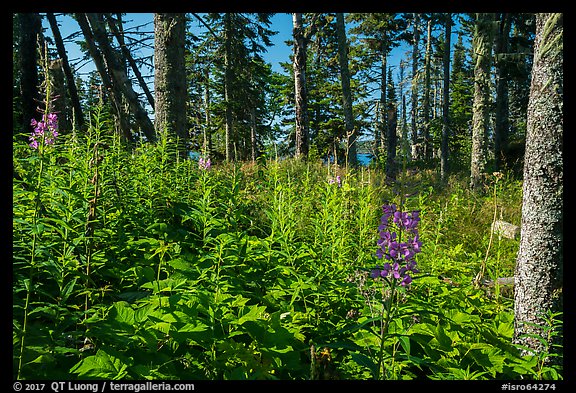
(400, 254)
(204, 163)
(46, 130)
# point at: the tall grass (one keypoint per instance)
(132, 262)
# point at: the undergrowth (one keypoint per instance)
(133, 263)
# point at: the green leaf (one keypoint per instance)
(103, 365)
(365, 361)
(443, 339)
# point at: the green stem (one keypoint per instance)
(32, 258)
(384, 328)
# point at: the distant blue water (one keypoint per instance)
(364, 159)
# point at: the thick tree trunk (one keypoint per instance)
(119, 77)
(414, 86)
(382, 124)
(482, 45)
(112, 89)
(391, 142)
(77, 113)
(170, 75)
(58, 93)
(128, 56)
(230, 140)
(446, 102)
(427, 151)
(207, 145)
(539, 266)
(300, 94)
(346, 92)
(30, 27)
(501, 123)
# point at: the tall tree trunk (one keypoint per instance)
(391, 142)
(77, 113)
(170, 75)
(539, 266)
(112, 24)
(112, 89)
(253, 141)
(119, 77)
(446, 102)
(383, 126)
(482, 44)
(30, 28)
(300, 93)
(207, 145)
(414, 85)
(58, 93)
(426, 104)
(346, 92)
(502, 109)
(230, 140)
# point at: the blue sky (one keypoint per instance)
(280, 52)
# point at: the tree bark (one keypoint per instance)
(119, 77)
(414, 86)
(128, 56)
(113, 90)
(446, 102)
(391, 142)
(539, 266)
(346, 92)
(207, 145)
(228, 86)
(30, 27)
(383, 126)
(170, 75)
(482, 45)
(77, 113)
(427, 151)
(501, 123)
(300, 93)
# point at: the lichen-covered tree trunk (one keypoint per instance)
(115, 25)
(118, 75)
(382, 125)
(122, 123)
(427, 150)
(446, 102)
(539, 266)
(228, 76)
(30, 26)
(77, 113)
(170, 75)
(482, 44)
(414, 86)
(501, 123)
(391, 142)
(300, 94)
(346, 92)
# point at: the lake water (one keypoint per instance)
(363, 158)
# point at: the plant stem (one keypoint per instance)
(384, 328)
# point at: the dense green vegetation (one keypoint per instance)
(133, 263)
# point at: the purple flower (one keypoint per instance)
(401, 254)
(45, 130)
(204, 163)
(338, 181)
